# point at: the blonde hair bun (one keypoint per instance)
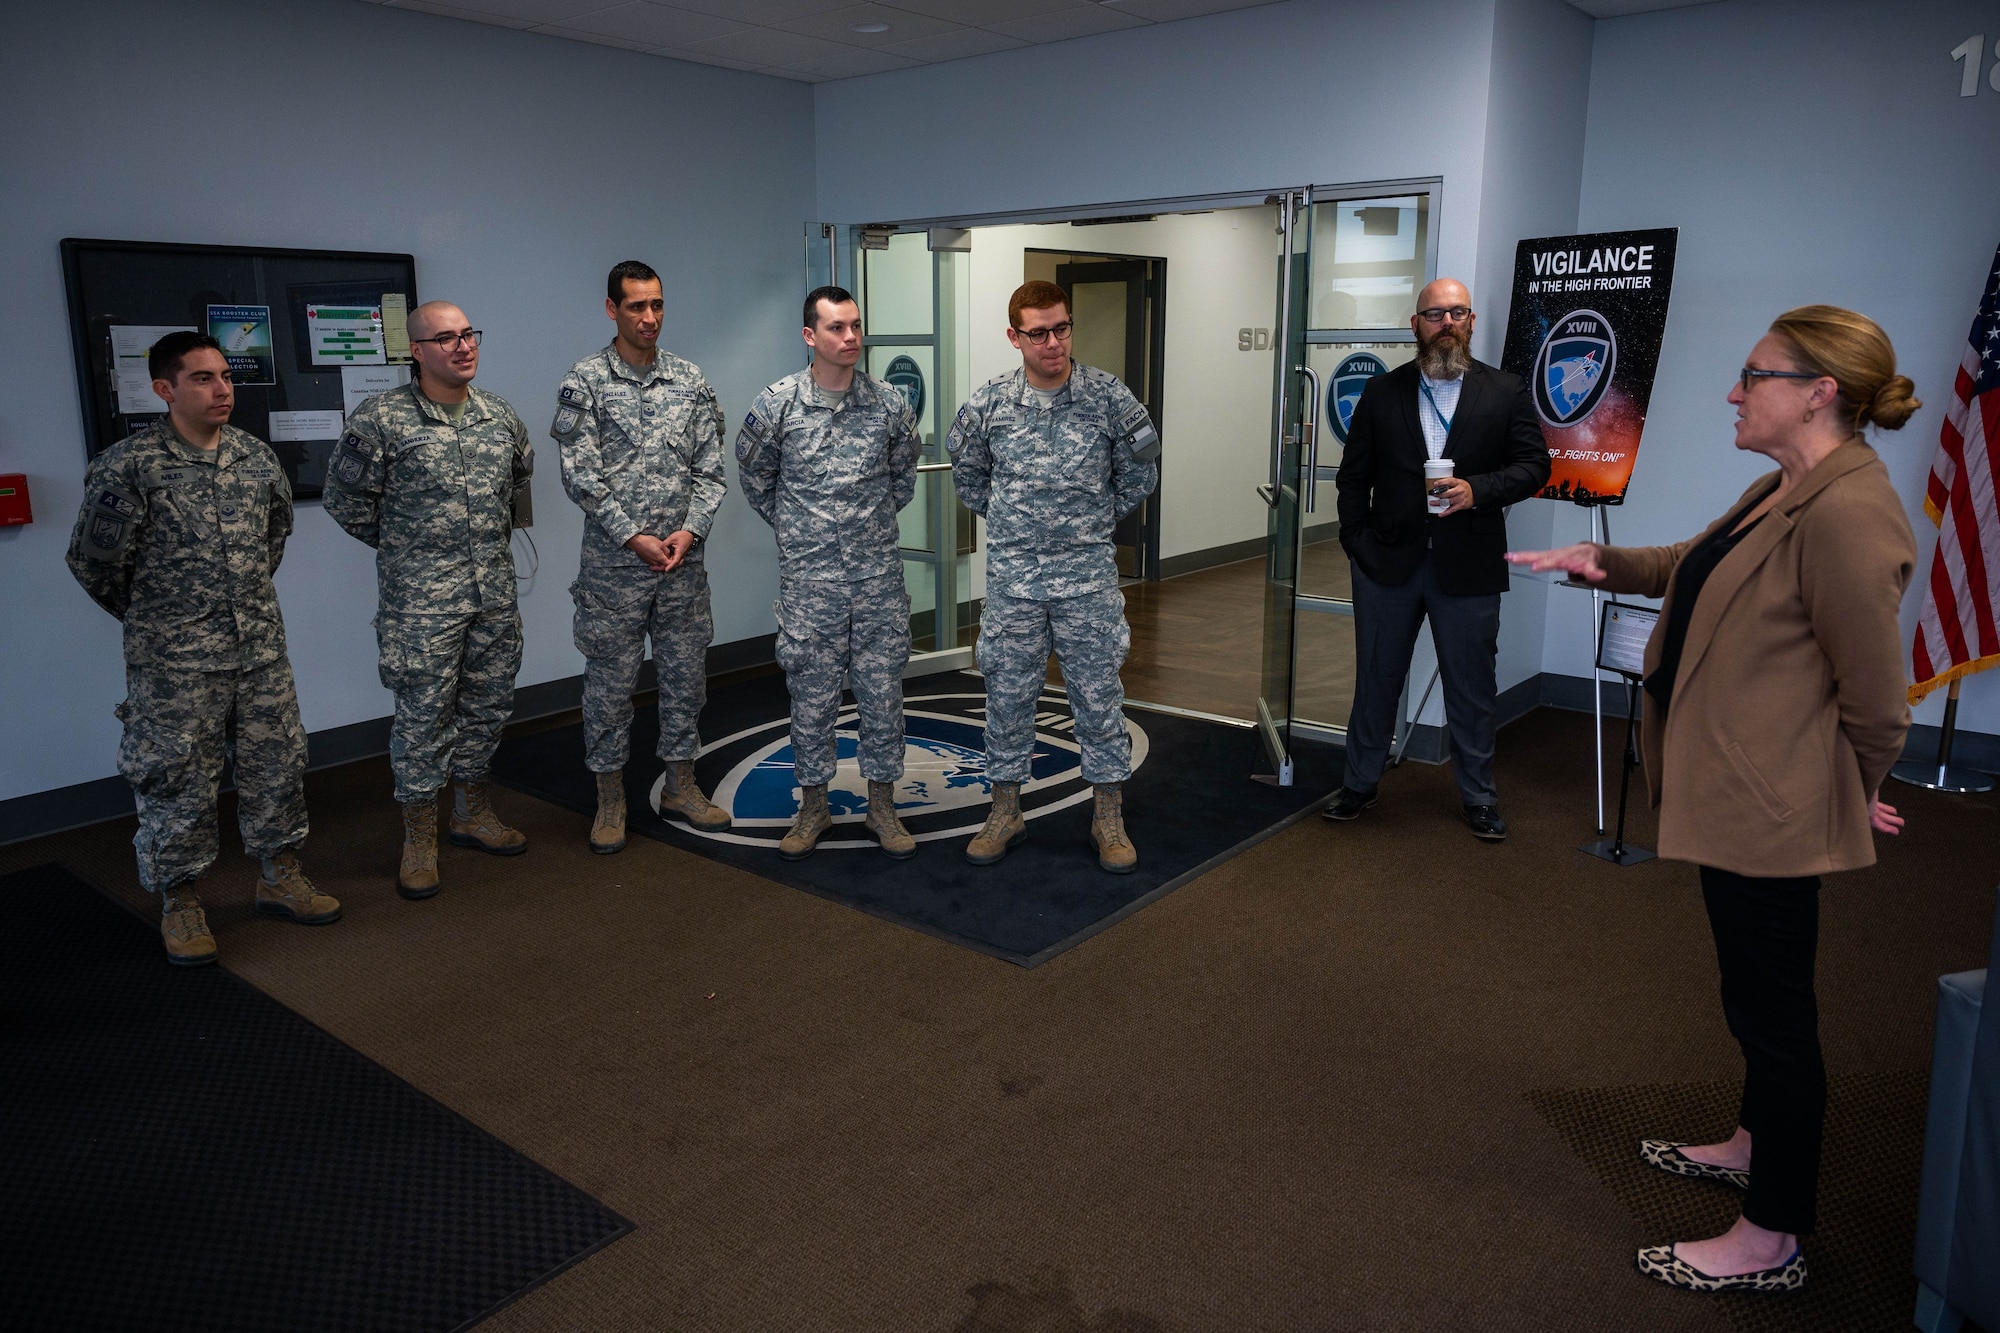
(1895, 403)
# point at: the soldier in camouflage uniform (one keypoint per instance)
(182, 526)
(640, 435)
(828, 457)
(426, 474)
(1053, 455)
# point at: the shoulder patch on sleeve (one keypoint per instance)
(961, 425)
(571, 395)
(114, 511)
(350, 460)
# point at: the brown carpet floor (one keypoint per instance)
(1292, 1095)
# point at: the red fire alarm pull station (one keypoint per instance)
(14, 509)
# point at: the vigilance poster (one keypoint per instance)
(1588, 316)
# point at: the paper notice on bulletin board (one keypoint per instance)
(131, 378)
(245, 334)
(306, 425)
(360, 383)
(343, 335)
(396, 326)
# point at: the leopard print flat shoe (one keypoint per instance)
(1660, 1263)
(1669, 1157)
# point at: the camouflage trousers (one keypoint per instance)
(618, 607)
(453, 678)
(1090, 639)
(180, 727)
(829, 630)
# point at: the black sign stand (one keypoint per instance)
(1614, 849)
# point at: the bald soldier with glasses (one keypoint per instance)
(1412, 561)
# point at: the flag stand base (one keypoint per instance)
(1940, 775)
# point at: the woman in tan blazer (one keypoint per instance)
(1774, 708)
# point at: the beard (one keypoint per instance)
(1443, 356)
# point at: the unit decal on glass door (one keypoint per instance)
(1350, 377)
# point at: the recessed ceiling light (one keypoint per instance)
(871, 27)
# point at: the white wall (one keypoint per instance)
(1216, 405)
(1535, 111)
(516, 168)
(1313, 91)
(1809, 150)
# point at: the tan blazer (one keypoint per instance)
(1789, 706)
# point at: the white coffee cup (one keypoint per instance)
(1435, 471)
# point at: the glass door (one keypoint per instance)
(1294, 413)
(914, 288)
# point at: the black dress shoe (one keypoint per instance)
(1486, 823)
(1348, 804)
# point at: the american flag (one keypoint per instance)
(1956, 635)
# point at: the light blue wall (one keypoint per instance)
(1535, 107)
(1809, 150)
(516, 168)
(1313, 91)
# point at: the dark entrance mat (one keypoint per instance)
(183, 1152)
(1860, 1256)
(1190, 804)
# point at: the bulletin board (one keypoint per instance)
(308, 334)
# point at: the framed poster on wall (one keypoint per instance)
(307, 333)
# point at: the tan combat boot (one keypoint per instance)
(607, 831)
(184, 930)
(681, 795)
(1004, 826)
(1115, 851)
(475, 823)
(417, 877)
(808, 826)
(885, 824)
(292, 895)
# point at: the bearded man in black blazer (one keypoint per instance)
(1410, 564)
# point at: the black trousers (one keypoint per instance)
(1766, 934)
(1466, 632)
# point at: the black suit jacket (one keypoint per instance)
(1496, 444)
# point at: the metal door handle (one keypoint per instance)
(1309, 432)
(1267, 495)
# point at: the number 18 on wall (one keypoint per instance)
(1972, 50)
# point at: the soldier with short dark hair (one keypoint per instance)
(640, 436)
(182, 526)
(426, 474)
(1053, 454)
(828, 457)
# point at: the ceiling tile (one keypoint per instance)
(837, 25)
(707, 58)
(594, 38)
(986, 13)
(1165, 11)
(854, 62)
(769, 46)
(653, 25)
(955, 45)
(762, 11)
(454, 12)
(1064, 24)
(529, 11)
(796, 75)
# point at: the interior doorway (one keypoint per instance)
(1234, 581)
(1118, 304)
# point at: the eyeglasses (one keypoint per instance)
(1060, 332)
(1438, 314)
(448, 342)
(1748, 375)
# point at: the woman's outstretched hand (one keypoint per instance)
(1578, 561)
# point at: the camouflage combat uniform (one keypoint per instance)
(1052, 481)
(830, 475)
(180, 543)
(641, 450)
(435, 500)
